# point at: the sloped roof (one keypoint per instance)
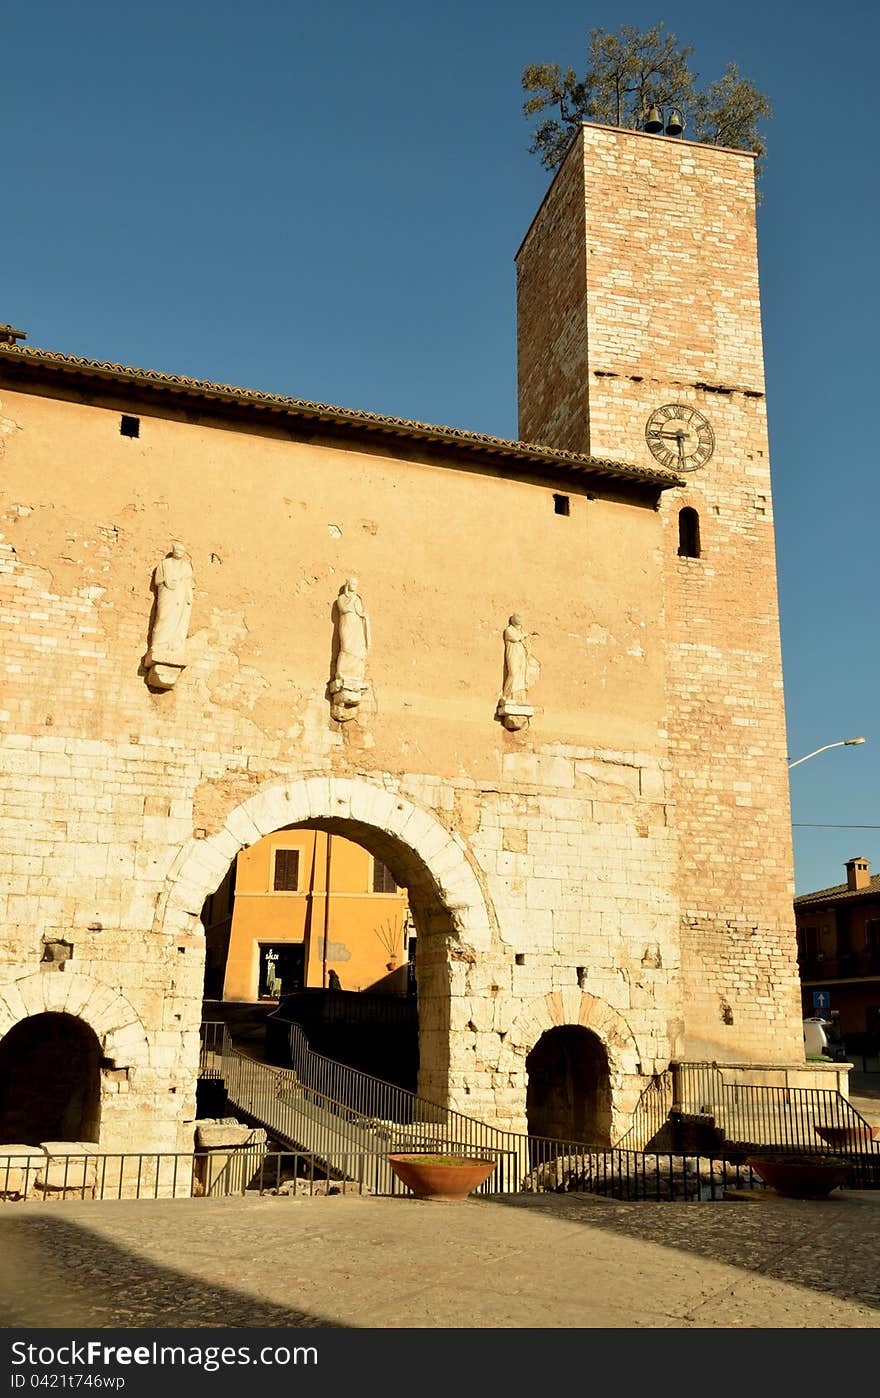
(216, 396)
(840, 892)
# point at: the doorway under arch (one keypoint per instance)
(450, 909)
(568, 1097)
(50, 1081)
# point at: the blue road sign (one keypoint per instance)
(821, 999)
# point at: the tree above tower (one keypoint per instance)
(627, 74)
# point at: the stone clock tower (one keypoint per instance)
(640, 341)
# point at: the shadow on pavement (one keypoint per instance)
(57, 1274)
(831, 1245)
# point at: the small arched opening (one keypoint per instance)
(50, 1081)
(688, 533)
(568, 1097)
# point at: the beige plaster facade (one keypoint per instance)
(621, 864)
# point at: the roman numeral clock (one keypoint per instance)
(680, 437)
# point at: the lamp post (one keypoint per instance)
(842, 743)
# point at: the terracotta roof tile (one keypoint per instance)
(479, 442)
(839, 892)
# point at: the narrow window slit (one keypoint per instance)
(688, 533)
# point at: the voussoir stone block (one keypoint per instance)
(317, 792)
(242, 828)
(267, 809)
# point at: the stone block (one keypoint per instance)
(240, 826)
(70, 1166)
(213, 1134)
(19, 1169)
(535, 769)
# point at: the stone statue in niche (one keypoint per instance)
(174, 586)
(521, 671)
(351, 648)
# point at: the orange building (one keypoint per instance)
(298, 905)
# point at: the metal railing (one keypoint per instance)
(369, 1096)
(362, 1115)
(842, 964)
(215, 1174)
(214, 1034)
(303, 1116)
(347, 1007)
(613, 1174)
(818, 1120)
(650, 1120)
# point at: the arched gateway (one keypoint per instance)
(452, 911)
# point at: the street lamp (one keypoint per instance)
(843, 743)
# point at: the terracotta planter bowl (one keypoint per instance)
(847, 1137)
(800, 1176)
(446, 1178)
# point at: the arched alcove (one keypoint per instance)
(568, 1097)
(50, 1081)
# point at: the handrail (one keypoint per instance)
(627, 1175)
(789, 1118)
(651, 1115)
(364, 1115)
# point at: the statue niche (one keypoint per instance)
(521, 671)
(351, 646)
(173, 585)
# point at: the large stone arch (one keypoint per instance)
(452, 911)
(409, 838)
(106, 1011)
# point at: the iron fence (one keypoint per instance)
(818, 1120)
(613, 1174)
(214, 1034)
(650, 1120)
(364, 1118)
(217, 1173)
(346, 1007)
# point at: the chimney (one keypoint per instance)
(858, 873)
(10, 336)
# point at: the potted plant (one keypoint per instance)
(440, 1177)
(848, 1138)
(799, 1175)
(390, 934)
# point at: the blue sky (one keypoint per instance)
(326, 202)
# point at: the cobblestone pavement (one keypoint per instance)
(545, 1261)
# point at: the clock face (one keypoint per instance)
(680, 437)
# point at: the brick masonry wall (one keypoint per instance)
(673, 315)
